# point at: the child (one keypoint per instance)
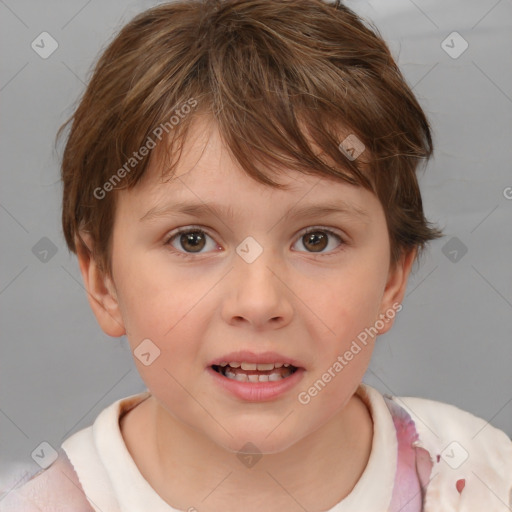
(279, 139)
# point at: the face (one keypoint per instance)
(263, 276)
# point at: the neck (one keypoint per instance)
(189, 470)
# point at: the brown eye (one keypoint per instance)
(193, 241)
(315, 241)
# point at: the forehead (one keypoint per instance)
(207, 174)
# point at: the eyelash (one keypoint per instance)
(195, 229)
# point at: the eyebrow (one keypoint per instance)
(203, 209)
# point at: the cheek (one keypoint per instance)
(158, 306)
(349, 301)
(349, 309)
(169, 307)
(156, 295)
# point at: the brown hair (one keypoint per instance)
(274, 75)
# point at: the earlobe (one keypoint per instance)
(395, 289)
(100, 290)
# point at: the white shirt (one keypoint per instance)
(461, 446)
(112, 481)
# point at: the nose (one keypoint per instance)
(257, 294)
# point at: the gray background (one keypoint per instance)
(452, 340)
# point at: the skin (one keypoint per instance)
(306, 305)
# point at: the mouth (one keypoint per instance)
(254, 372)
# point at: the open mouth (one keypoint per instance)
(255, 372)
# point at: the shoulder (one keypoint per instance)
(472, 460)
(55, 489)
(79, 476)
(440, 424)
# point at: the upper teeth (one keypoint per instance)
(255, 366)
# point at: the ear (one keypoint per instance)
(395, 290)
(100, 289)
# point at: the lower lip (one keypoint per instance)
(257, 391)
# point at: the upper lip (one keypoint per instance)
(245, 356)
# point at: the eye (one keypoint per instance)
(317, 239)
(193, 240)
(190, 241)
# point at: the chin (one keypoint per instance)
(259, 442)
